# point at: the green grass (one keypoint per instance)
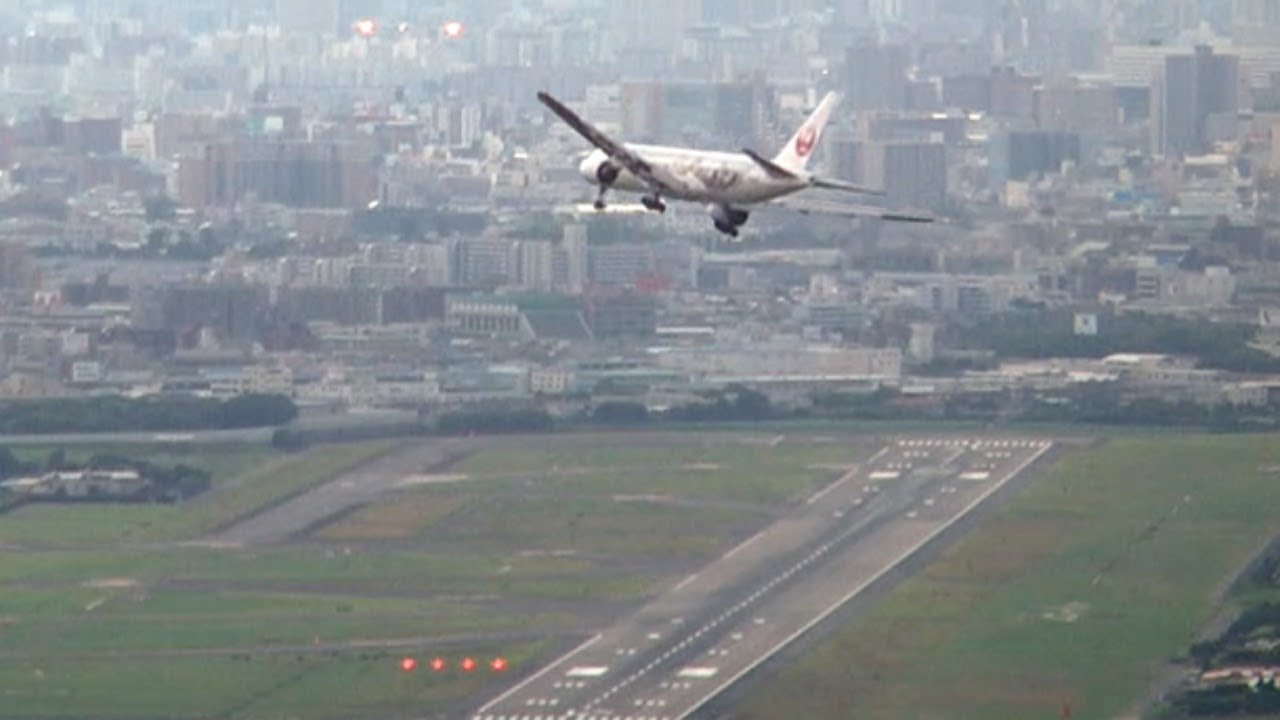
(588, 525)
(719, 467)
(1138, 537)
(101, 590)
(141, 621)
(245, 479)
(317, 687)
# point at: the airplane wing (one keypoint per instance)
(657, 179)
(850, 211)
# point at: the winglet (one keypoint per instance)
(771, 168)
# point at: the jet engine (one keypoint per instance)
(727, 219)
(607, 173)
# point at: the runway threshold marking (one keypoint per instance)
(862, 587)
(534, 677)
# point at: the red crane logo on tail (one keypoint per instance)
(805, 141)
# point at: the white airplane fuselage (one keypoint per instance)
(710, 178)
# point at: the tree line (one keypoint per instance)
(164, 413)
(1045, 334)
(165, 483)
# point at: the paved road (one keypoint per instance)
(214, 437)
(361, 485)
(696, 640)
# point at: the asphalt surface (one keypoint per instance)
(255, 436)
(679, 652)
(363, 484)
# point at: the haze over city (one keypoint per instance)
(583, 359)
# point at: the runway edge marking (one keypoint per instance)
(861, 588)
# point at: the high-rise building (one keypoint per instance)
(535, 266)
(294, 173)
(735, 112)
(911, 173)
(619, 265)
(1021, 155)
(316, 17)
(1197, 96)
(488, 263)
(231, 312)
(877, 76)
(654, 24)
(16, 268)
(1256, 22)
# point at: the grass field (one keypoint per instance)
(104, 613)
(245, 478)
(1074, 595)
(316, 687)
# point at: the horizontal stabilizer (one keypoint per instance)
(898, 217)
(770, 167)
(852, 211)
(843, 186)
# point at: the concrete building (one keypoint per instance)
(783, 360)
(488, 316)
(1256, 22)
(876, 76)
(1192, 90)
(294, 173)
(696, 112)
(912, 174)
(1027, 154)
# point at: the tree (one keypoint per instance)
(9, 463)
(57, 460)
(257, 411)
(620, 413)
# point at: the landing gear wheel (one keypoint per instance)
(653, 203)
(599, 204)
(727, 229)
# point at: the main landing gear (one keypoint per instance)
(653, 203)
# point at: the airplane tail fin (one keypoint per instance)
(795, 156)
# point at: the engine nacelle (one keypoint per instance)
(607, 173)
(727, 216)
(598, 169)
(721, 215)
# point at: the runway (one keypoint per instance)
(690, 644)
(365, 483)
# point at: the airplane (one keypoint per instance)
(728, 185)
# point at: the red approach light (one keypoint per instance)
(454, 29)
(468, 665)
(408, 665)
(366, 27)
(498, 664)
(438, 665)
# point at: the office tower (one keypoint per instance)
(877, 76)
(315, 17)
(1256, 22)
(911, 173)
(1197, 99)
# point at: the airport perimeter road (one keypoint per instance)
(364, 484)
(690, 644)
